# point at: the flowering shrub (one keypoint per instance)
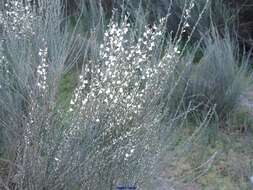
(113, 104)
(119, 121)
(17, 19)
(122, 76)
(221, 76)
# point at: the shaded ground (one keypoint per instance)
(231, 169)
(231, 165)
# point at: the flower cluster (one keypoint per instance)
(2, 56)
(17, 19)
(124, 76)
(117, 80)
(2, 62)
(188, 10)
(4, 68)
(187, 15)
(42, 68)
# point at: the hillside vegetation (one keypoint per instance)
(104, 95)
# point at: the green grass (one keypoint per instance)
(66, 87)
(230, 169)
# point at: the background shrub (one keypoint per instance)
(221, 76)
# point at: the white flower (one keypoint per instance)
(84, 101)
(176, 50)
(187, 25)
(115, 100)
(72, 102)
(108, 91)
(121, 90)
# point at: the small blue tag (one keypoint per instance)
(126, 188)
